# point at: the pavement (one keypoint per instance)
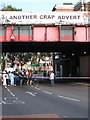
(73, 83)
(81, 84)
(34, 116)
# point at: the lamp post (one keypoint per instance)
(61, 68)
(60, 54)
(60, 29)
(57, 63)
(82, 2)
(82, 5)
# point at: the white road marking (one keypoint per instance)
(12, 94)
(5, 86)
(37, 88)
(30, 93)
(19, 102)
(0, 103)
(8, 90)
(16, 98)
(3, 102)
(5, 98)
(68, 98)
(47, 92)
(9, 103)
(23, 102)
(16, 101)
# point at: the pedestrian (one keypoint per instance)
(24, 77)
(44, 74)
(4, 78)
(52, 76)
(12, 77)
(21, 77)
(29, 75)
(7, 79)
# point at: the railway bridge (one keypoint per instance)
(63, 32)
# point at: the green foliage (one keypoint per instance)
(10, 8)
(46, 54)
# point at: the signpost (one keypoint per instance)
(12, 37)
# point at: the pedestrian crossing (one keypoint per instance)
(15, 100)
(10, 100)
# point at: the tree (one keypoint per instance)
(39, 56)
(9, 8)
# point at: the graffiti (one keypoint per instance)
(4, 20)
(86, 17)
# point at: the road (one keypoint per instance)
(63, 101)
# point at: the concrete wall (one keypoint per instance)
(85, 66)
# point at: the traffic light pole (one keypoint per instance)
(57, 64)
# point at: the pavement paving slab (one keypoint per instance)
(34, 116)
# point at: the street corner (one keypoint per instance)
(83, 84)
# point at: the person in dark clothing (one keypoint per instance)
(29, 75)
(7, 78)
(24, 77)
(21, 77)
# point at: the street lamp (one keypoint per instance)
(60, 54)
(82, 2)
(82, 5)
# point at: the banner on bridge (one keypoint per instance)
(57, 18)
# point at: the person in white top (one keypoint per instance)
(52, 76)
(11, 75)
(4, 78)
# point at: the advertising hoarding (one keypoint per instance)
(57, 18)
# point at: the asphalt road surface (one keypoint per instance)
(61, 101)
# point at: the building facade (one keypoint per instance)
(65, 7)
(82, 5)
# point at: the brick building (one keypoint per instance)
(64, 7)
(82, 5)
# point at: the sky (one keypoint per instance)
(35, 5)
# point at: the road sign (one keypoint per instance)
(12, 37)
